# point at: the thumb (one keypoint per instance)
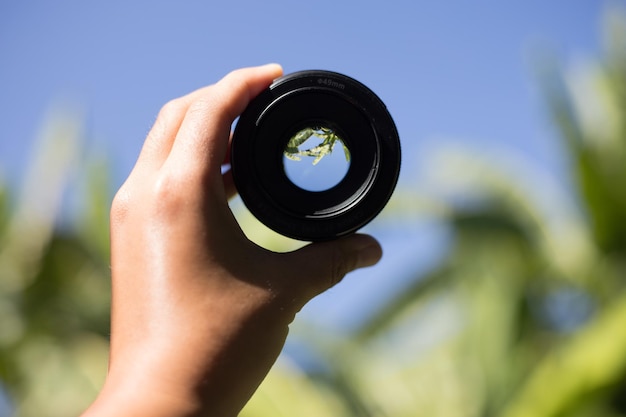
(322, 265)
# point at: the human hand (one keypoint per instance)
(199, 312)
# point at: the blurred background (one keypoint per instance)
(501, 292)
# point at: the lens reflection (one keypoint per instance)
(316, 158)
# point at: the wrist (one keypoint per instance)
(132, 396)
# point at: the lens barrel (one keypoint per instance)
(295, 102)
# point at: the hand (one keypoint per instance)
(199, 312)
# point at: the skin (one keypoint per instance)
(200, 313)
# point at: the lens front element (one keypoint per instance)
(316, 158)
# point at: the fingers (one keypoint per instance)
(229, 184)
(160, 139)
(227, 174)
(202, 140)
(202, 116)
(320, 266)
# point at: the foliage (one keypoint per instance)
(329, 140)
(54, 282)
(524, 316)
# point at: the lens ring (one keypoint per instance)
(303, 99)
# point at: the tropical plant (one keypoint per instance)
(328, 141)
(54, 280)
(526, 314)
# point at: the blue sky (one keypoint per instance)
(455, 69)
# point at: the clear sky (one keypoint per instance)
(460, 69)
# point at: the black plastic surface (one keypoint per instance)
(305, 99)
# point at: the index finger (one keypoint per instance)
(202, 140)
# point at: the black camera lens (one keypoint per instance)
(315, 156)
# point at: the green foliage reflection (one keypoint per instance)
(329, 140)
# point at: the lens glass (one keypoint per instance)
(316, 158)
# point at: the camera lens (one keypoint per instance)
(315, 156)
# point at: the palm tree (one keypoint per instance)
(526, 315)
(54, 282)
